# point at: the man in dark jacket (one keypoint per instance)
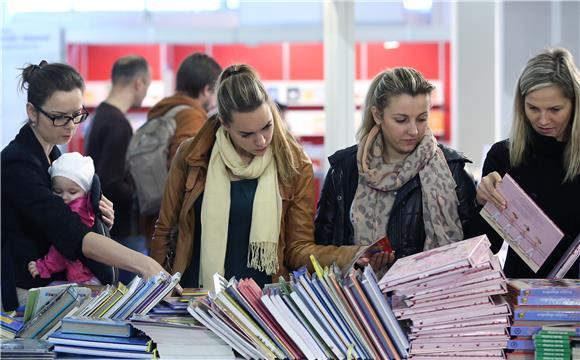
(107, 143)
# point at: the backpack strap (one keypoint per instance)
(175, 110)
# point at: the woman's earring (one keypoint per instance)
(33, 124)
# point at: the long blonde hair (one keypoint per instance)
(385, 86)
(239, 89)
(552, 67)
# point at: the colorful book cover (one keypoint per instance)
(569, 288)
(552, 313)
(544, 300)
(521, 344)
(523, 225)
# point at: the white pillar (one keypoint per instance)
(475, 77)
(339, 75)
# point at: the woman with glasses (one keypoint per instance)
(32, 217)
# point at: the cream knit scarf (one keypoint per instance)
(378, 183)
(215, 209)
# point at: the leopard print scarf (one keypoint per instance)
(378, 183)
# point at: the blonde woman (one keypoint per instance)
(542, 153)
(397, 181)
(241, 194)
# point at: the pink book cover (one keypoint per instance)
(455, 345)
(482, 330)
(447, 340)
(463, 282)
(523, 225)
(502, 309)
(412, 287)
(479, 321)
(461, 254)
(496, 289)
(404, 313)
(450, 313)
(467, 289)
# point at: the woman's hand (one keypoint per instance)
(487, 191)
(377, 260)
(106, 207)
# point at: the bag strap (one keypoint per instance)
(175, 110)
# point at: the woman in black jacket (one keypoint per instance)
(398, 181)
(33, 218)
(542, 154)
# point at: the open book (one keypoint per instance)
(523, 225)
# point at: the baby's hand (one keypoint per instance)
(32, 269)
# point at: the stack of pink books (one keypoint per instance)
(450, 296)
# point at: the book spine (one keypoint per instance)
(547, 315)
(521, 344)
(524, 330)
(543, 300)
(551, 292)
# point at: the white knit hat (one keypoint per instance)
(75, 167)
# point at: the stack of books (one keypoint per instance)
(25, 349)
(318, 316)
(541, 304)
(100, 326)
(10, 326)
(99, 343)
(46, 319)
(450, 298)
(182, 337)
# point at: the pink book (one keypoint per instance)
(404, 313)
(502, 309)
(483, 330)
(462, 254)
(523, 225)
(454, 346)
(492, 288)
(483, 320)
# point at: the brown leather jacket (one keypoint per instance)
(187, 121)
(186, 182)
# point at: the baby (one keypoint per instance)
(72, 176)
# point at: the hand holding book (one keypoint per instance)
(487, 191)
(379, 256)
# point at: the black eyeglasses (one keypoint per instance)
(63, 120)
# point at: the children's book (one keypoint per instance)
(568, 288)
(93, 326)
(523, 225)
(462, 254)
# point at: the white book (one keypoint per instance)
(292, 327)
(131, 288)
(241, 345)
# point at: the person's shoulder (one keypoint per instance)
(452, 155)
(343, 156)
(500, 146)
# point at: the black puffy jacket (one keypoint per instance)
(406, 229)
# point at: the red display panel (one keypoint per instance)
(266, 58)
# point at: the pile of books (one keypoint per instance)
(450, 298)
(10, 326)
(25, 349)
(542, 305)
(318, 316)
(45, 318)
(182, 337)
(100, 326)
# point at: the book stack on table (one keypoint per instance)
(182, 337)
(320, 316)
(10, 326)
(450, 296)
(19, 349)
(100, 326)
(543, 306)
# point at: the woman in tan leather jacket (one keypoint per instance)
(241, 195)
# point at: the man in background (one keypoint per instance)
(195, 88)
(107, 143)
